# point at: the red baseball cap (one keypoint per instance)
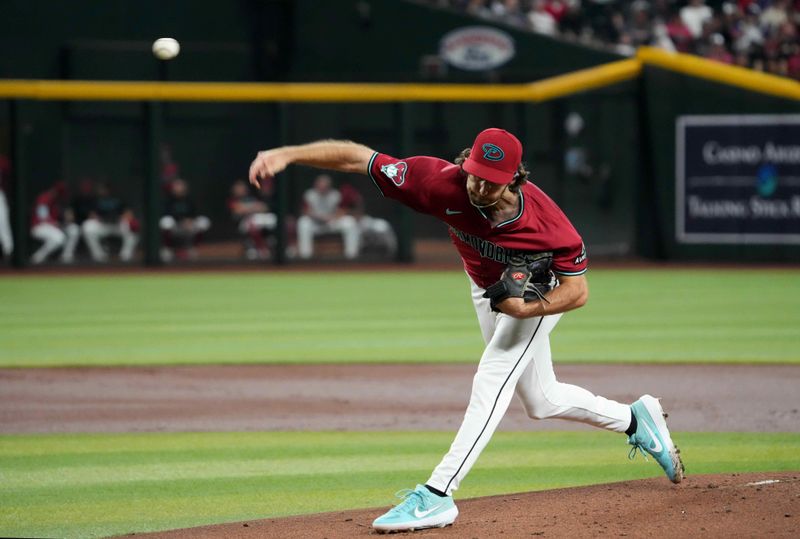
(495, 156)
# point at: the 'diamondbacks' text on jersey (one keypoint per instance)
(437, 187)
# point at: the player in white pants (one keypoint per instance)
(323, 215)
(109, 217)
(95, 230)
(181, 226)
(53, 226)
(54, 237)
(6, 238)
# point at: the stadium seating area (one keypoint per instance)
(759, 34)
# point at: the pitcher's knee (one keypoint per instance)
(541, 406)
(539, 411)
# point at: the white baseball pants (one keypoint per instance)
(94, 231)
(6, 239)
(346, 225)
(52, 238)
(258, 221)
(517, 359)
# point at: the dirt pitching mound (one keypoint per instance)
(740, 505)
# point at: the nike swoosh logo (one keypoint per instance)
(420, 514)
(656, 445)
(448, 211)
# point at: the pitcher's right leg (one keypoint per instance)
(514, 343)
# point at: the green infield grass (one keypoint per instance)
(632, 316)
(92, 485)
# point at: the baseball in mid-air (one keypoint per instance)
(166, 48)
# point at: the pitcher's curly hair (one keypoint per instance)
(519, 178)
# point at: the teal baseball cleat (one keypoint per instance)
(419, 509)
(652, 436)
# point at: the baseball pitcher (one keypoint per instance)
(526, 265)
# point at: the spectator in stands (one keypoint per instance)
(51, 223)
(109, 217)
(787, 45)
(661, 37)
(573, 20)
(510, 12)
(181, 226)
(760, 34)
(323, 214)
(478, 8)
(556, 8)
(6, 238)
(774, 16)
(641, 27)
(694, 15)
(253, 219)
(373, 231)
(717, 50)
(541, 20)
(748, 37)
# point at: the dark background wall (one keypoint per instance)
(628, 197)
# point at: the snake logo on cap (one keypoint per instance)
(492, 152)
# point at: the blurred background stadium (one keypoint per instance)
(604, 146)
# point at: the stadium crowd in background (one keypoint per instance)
(758, 34)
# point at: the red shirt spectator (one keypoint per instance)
(680, 35)
(556, 8)
(48, 206)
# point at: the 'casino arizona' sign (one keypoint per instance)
(738, 179)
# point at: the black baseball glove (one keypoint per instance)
(527, 277)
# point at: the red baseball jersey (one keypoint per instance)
(437, 187)
(46, 210)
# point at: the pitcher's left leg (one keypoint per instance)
(544, 397)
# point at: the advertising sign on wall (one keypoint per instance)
(738, 179)
(477, 48)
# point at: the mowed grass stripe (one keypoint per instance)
(95, 485)
(632, 315)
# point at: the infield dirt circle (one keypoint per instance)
(703, 398)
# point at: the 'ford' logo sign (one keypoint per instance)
(476, 48)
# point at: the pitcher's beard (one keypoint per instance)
(489, 205)
(481, 206)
